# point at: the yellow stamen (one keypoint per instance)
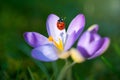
(50, 38)
(59, 45)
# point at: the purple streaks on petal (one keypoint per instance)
(76, 24)
(83, 52)
(88, 37)
(85, 42)
(94, 37)
(74, 30)
(94, 46)
(71, 38)
(103, 46)
(45, 53)
(35, 39)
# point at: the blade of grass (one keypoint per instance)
(55, 69)
(43, 68)
(110, 66)
(30, 72)
(117, 48)
(107, 62)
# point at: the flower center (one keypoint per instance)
(58, 44)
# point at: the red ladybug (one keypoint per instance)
(60, 24)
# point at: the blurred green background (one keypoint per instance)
(19, 16)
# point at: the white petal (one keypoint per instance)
(53, 30)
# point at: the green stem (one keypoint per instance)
(64, 70)
(69, 73)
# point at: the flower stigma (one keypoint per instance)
(58, 44)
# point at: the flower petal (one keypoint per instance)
(88, 37)
(35, 39)
(77, 24)
(93, 31)
(94, 46)
(104, 45)
(90, 49)
(53, 30)
(75, 28)
(89, 43)
(69, 41)
(84, 39)
(45, 53)
(94, 28)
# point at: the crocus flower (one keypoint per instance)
(90, 45)
(59, 40)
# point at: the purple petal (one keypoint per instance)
(52, 27)
(88, 37)
(71, 38)
(84, 39)
(104, 45)
(90, 42)
(45, 53)
(76, 24)
(35, 39)
(74, 30)
(69, 41)
(90, 48)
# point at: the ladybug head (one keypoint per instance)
(60, 20)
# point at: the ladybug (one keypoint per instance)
(60, 24)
